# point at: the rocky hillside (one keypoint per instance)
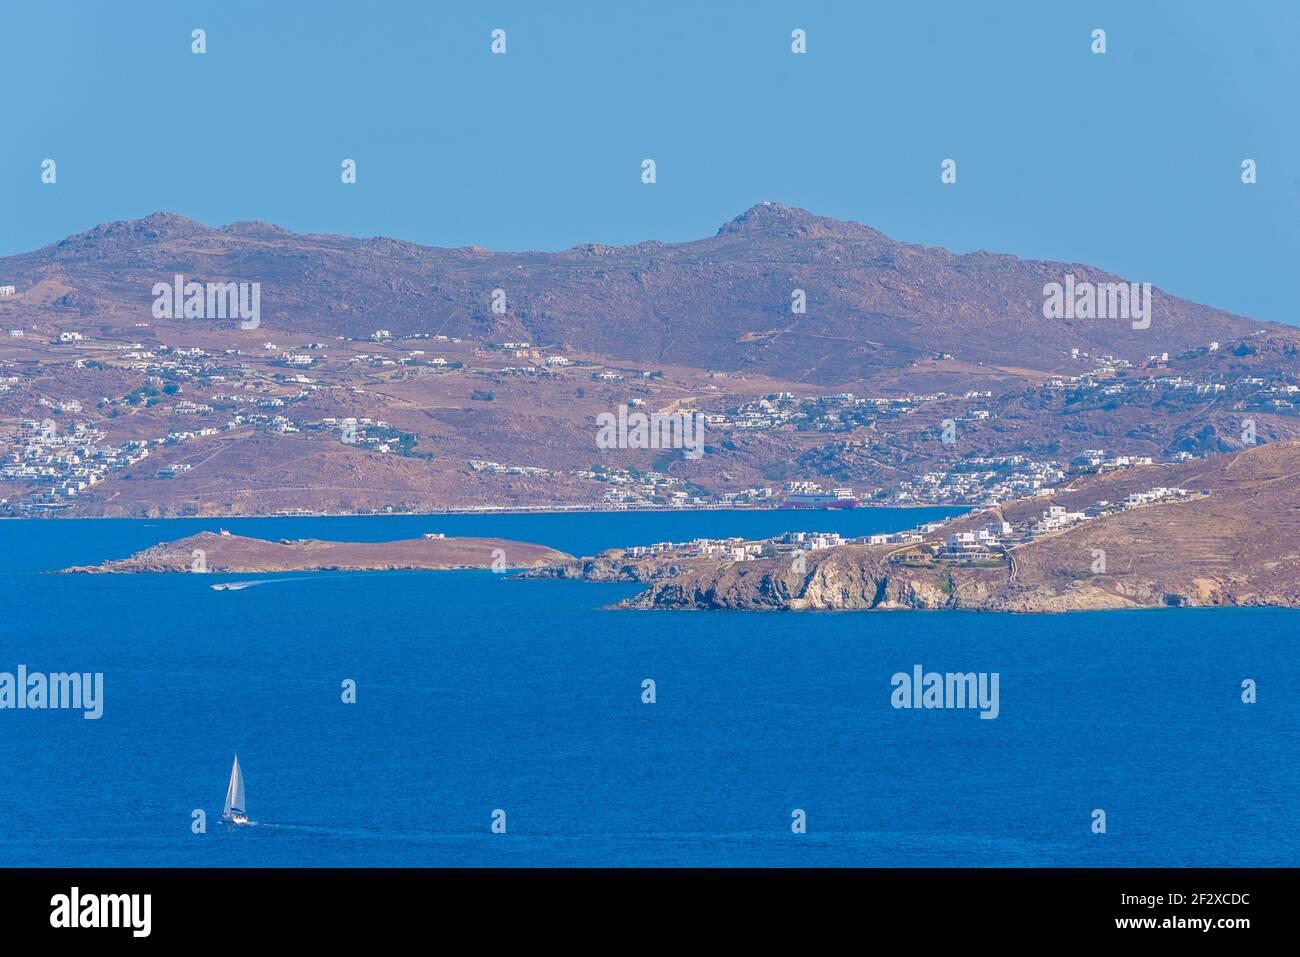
(724, 302)
(1232, 543)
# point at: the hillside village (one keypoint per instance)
(196, 394)
(992, 541)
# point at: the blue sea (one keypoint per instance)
(478, 692)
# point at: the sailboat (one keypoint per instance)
(234, 811)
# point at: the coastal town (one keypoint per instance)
(177, 404)
(928, 541)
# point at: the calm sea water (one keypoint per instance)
(477, 692)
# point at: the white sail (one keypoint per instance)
(235, 792)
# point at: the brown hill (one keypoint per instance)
(873, 304)
(241, 554)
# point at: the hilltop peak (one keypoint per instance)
(766, 214)
(155, 226)
(162, 223)
(775, 219)
(164, 218)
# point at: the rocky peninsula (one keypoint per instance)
(1209, 532)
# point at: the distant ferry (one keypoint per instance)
(835, 498)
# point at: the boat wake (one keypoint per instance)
(236, 586)
(336, 832)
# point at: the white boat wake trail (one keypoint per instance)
(237, 586)
(327, 830)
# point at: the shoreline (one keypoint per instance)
(486, 510)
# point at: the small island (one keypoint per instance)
(222, 552)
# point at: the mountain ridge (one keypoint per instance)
(720, 302)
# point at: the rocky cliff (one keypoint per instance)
(1231, 541)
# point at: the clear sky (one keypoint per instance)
(1129, 160)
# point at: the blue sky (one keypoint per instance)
(1128, 160)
